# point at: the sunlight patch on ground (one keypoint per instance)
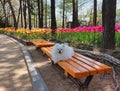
(3, 49)
(2, 88)
(11, 56)
(43, 63)
(108, 88)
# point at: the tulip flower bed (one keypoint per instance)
(26, 33)
(77, 37)
(90, 36)
(81, 34)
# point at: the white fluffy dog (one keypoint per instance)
(61, 52)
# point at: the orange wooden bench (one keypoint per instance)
(41, 43)
(80, 66)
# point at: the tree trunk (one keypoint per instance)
(21, 13)
(75, 13)
(74, 18)
(103, 12)
(29, 14)
(18, 16)
(53, 16)
(13, 14)
(4, 10)
(46, 14)
(41, 18)
(77, 22)
(95, 13)
(36, 20)
(63, 13)
(109, 24)
(24, 13)
(39, 11)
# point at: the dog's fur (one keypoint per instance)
(61, 52)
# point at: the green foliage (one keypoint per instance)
(27, 36)
(1, 31)
(117, 37)
(79, 39)
(118, 12)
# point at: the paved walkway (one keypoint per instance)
(13, 71)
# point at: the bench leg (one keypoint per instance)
(87, 81)
(37, 48)
(81, 85)
(43, 54)
(51, 61)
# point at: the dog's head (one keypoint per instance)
(59, 48)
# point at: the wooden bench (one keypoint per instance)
(41, 43)
(80, 66)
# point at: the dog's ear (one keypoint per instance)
(57, 44)
(66, 44)
(62, 45)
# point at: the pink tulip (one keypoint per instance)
(86, 29)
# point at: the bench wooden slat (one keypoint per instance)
(46, 51)
(50, 48)
(91, 70)
(107, 69)
(41, 43)
(99, 69)
(84, 71)
(74, 72)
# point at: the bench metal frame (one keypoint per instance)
(81, 85)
